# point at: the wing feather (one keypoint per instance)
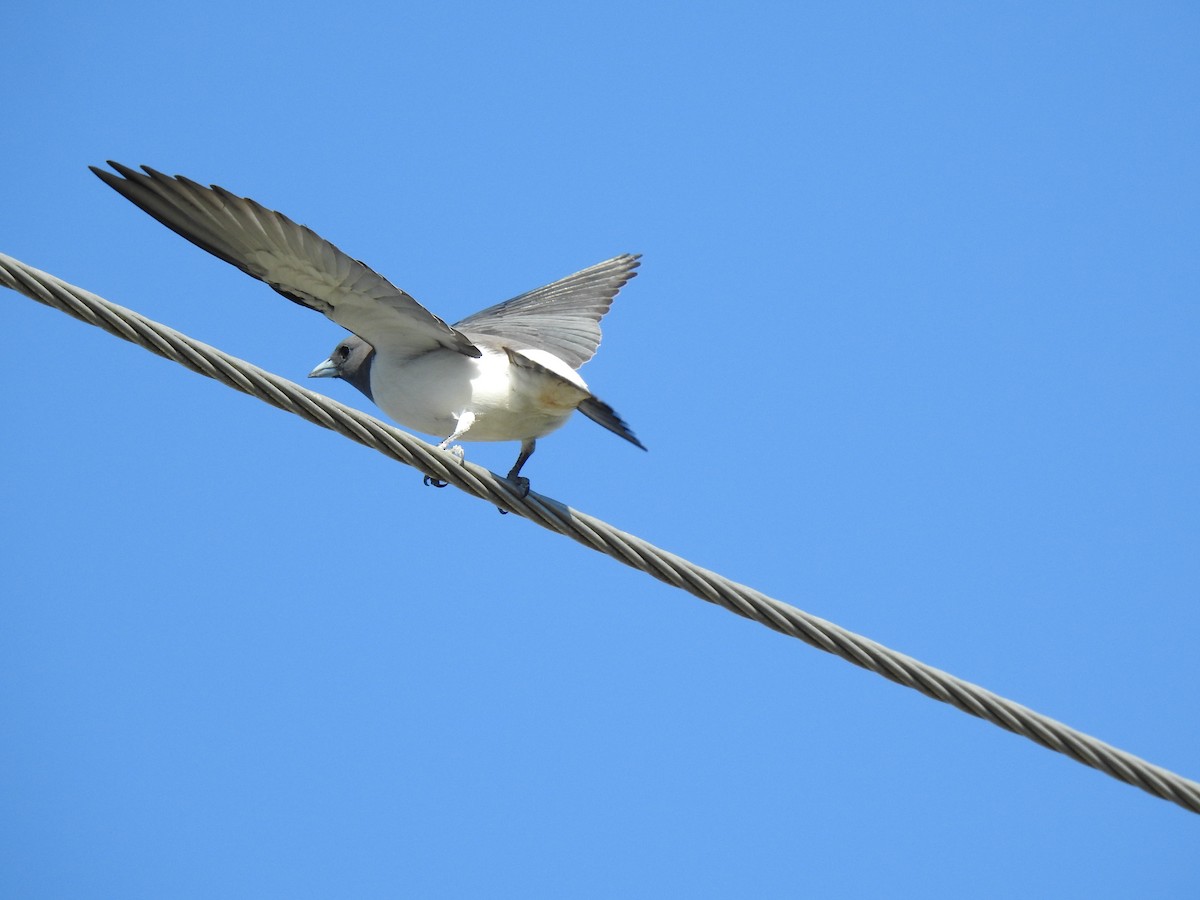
(563, 317)
(291, 258)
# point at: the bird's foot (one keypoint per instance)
(521, 483)
(456, 450)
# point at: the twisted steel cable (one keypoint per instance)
(598, 535)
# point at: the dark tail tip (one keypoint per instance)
(603, 414)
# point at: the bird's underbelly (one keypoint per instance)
(433, 392)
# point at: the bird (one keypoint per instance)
(505, 373)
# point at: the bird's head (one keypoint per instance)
(350, 361)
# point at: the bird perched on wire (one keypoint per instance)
(506, 373)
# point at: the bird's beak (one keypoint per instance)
(327, 369)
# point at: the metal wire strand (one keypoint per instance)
(598, 535)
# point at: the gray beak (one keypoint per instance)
(327, 369)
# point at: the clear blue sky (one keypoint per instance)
(913, 347)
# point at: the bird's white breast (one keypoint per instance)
(431, 392)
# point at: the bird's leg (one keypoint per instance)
(514, 474)
(465, 421)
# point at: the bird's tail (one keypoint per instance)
(603, 414)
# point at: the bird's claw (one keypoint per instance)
(457, 451)
(521, 483)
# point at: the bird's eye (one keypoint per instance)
(343, 353)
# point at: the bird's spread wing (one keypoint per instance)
(562, 318)
(291, 258)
